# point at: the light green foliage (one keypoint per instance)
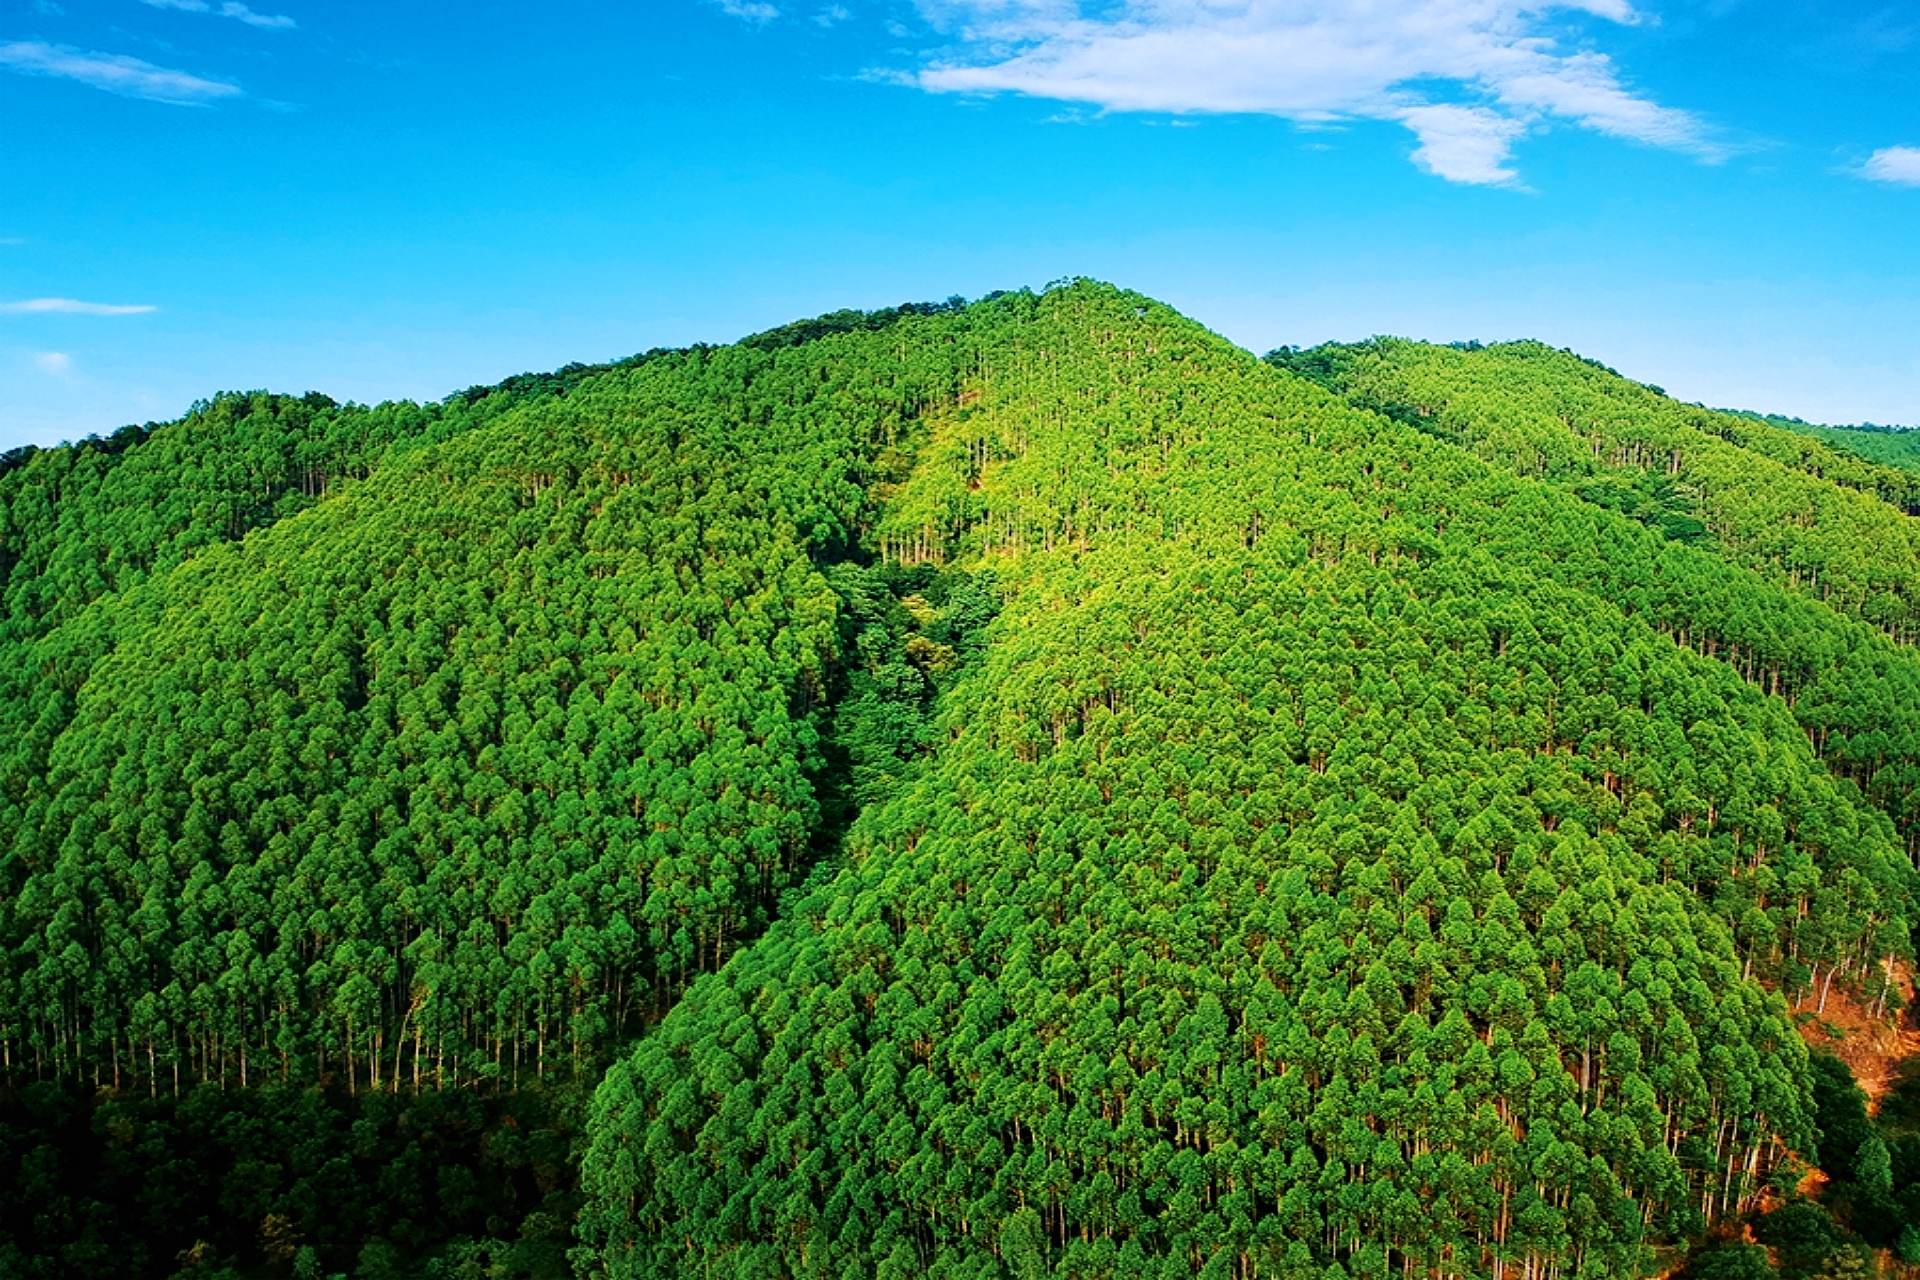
(1888, 446)
(1850, 1263)
(1021, 789)
(1815, 522)
(1814, 517)
(1321, 869)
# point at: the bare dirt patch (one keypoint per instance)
(1873, 1047)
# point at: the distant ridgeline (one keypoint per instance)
(1891, 446)
(1008, 789)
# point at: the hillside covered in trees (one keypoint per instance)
(1893, 446)
(1010, 789)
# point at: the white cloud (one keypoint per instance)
(230, 9)
(1894, 164)
(54, 362)
(1464, 144)
(831, 14)
(71, 306)
(1470, 77)
(748, 10)
(114, 73)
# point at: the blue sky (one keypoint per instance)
(400, 200)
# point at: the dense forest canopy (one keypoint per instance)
(1889, 445)
(1003, 789)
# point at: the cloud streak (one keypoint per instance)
(71, 306)
(1898, 165)
(1469, 77)
(748, 10)
(114, 73)
(238, 12)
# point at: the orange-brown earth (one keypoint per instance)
(1873, 1046)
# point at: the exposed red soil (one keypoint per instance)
(1874, 1047)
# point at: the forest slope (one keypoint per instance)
(1889, 446)
(1815, 521)
(1012, 788)
(1306, 881)
(1817, 518)
(485, 753)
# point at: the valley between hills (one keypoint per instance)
(1010, 789)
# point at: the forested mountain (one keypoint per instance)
(1891, 446)
(1773, 500)
(1010, 789)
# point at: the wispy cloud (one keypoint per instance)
(72, 306)
(1885, 31)
(56, 363)
(114, 73)
(748, 10)
(1469, 77)
(238, 12)
(831, 14)
(1899, 165)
